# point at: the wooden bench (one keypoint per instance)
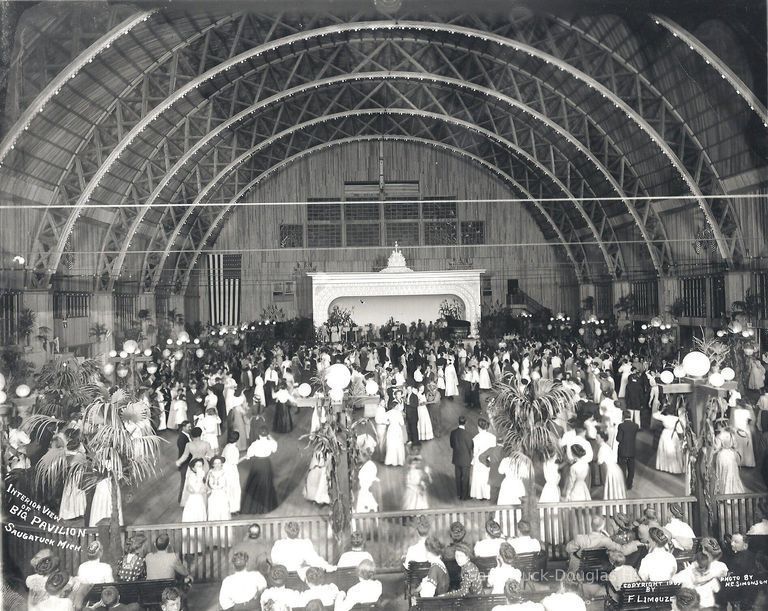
(147, 593)
(476, 603)
(415, 572)
(593, 563)
(641, 595)
(530, 564)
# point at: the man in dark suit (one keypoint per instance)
(625, 435)
(492, 459)
(463, 447)
(181, 444)
(412, 415)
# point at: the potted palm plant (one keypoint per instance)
(524, 419)
(25, 323)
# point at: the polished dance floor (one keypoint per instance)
(155, 501)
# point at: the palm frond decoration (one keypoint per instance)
(716, 351)
(52, 469)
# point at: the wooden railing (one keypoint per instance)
(206, 546)
(737, 512)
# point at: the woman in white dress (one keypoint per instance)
(756, 374)
(550, 493)
(367, 476)
(515, 470)
(496, 368)
(178, 411)
(380, 420)
(577, 489)
(231, 455)
(218, 499)
(424, 424)
(195, 507)
(727, 475)
(451, 379)
(615, 487)
(669, 455)
(209, 423)
(485, 377)
(480, 487)
(416, 480)
(101, 505)
(316, 484)
(741, 422)
(396, 435)
(229, 391)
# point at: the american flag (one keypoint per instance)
(224, 288)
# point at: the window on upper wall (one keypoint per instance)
(363, 234)
(361, 211)
(646, 294)
(291, 236)
(717, 296)
(440, 233)
(318, 211)
(473, 232)
(324, 236)
(486, 290)
(438, 208)
(10, 306)
(694, 295)
(400, 211)
(283, 291)
(405, 234)
(71, 305)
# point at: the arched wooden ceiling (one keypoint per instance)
(174, 108)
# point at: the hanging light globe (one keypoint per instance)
(679, 371)
(108, 369)
(199, 353)
(151, 368)
(728, 374)
(130, 346)
(667, 377)
(696, 364)
(716, 379)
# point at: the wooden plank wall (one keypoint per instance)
(515, 247)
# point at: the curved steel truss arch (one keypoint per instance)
(583, 78)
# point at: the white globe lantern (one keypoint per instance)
(183, 337)
(338, 376)
(304, 390)
(22, 391)
(3, 397)
(644, 327)
(148, 352)
(199, 353)
(728, 374)
(151, 368)
(169, 341)
(720, 333)
(123, 354)
(371, 387)
(336, 395)
(667, 377)
(2, 381)
(716, 379)
(166, 353)
(130, 346)
(178, 355)
(196, 341)
(656, 322)
(749, 350)
(696, 364)
(735, 327)
(679, 371)
(108, 369)
(220, 343)
(112, 353)
(179, 342)
(581, 331)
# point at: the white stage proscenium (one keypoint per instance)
(396, 292)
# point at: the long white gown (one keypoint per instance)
(194, 511)
(451, 380)
(615, 487)
(316, 485)
(669, 455)
(578, 490)
(512, 487)
(740, 421)
(415, 498)
(234, 491)
(480, 488)
(485, 378)
(395, 454)
(218, 500)
(425, 422)
(101, 506)
(550, 493)
(366, 477)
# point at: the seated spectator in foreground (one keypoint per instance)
(499, 575)
(659, 564)
(686, 600)
(646, 523)
(131, 567)
(679, 532)
(567, 599)
(457, 532)
(761, 527)
(44, 563)
(524, 543)
(623, 533)
(164, 564)
(697, 576)
(742, 560)
(56, 586)
(597, 539)
(622, 573)
(515, 600)
(294, 553)
(110, 599)
(354, 556)
(365, 592)
(258, 556)
(239, 590)
(489, 546)
(93, 570)
(417, 552)
(170, 600)
(318, 589)
(471, 580)
(437, 582)
(277, 594)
